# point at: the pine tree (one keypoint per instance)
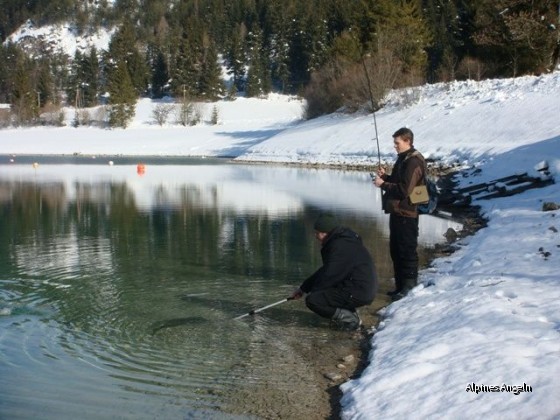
(258, 76)
(122, 95)
(282, 66)
(445, 52)
(160, 76)
(90, 71)
(300, 52)
(400, 27)
(123, 47)
(281, 62)
(73, 90)
(83, 86)
(235, 56)
(210, 84)
(517, 35)
(59, 66)
(139, 72)
(24, 102)
(320, 43)
(44, 84)
(279, 46)
(4, 74)
(128, 8)
(153, 24)
(184, 75)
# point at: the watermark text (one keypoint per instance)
(515, 389)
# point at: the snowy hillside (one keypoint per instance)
(62, 38)
(453, 123)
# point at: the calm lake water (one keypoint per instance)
(119, 284)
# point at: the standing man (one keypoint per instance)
(408, 172)
(347, 279)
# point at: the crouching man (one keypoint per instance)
(347, 278)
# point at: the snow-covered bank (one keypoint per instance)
(490, 316)
(491, 313)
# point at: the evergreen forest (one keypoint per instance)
(337, 54)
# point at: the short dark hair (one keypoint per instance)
(405, 133)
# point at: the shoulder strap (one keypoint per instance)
(418, 155)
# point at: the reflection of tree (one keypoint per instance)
(172, 243)
(27, 208)
(168, 241)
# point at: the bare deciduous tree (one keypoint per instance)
(161, 113)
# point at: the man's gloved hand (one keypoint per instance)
(298, 293)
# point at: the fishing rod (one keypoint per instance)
(360, 47)
(371, 174)
(254, 311)
(373, 111)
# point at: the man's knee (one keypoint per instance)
(312, 301)
(317, 303)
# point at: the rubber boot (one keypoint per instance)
(398, 287)
(408, 285)
(346, 319)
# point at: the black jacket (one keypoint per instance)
(347, 265)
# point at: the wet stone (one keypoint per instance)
(348, 359)
(333, 376)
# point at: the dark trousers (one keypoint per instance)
(325, 302)
(403, 241)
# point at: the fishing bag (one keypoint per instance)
(424, 196)
(419, 195)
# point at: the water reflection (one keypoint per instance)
(121, 288)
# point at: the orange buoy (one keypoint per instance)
(140, 169)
